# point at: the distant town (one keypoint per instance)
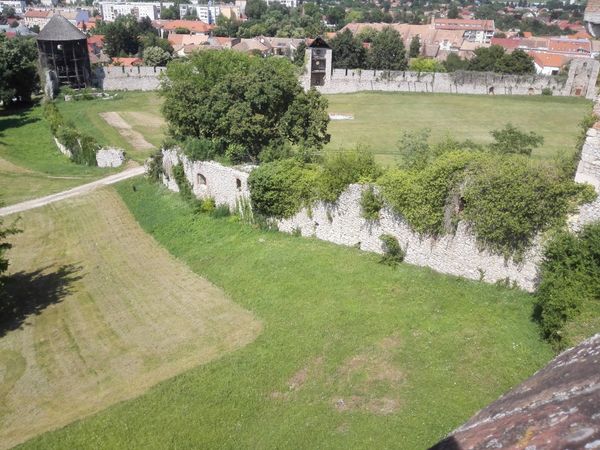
(551, 33)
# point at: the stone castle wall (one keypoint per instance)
(137, 78)
(579, 82)
(342, 223)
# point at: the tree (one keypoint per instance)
(300, 54)
(454, 62)
(18, 74)
(387, 51)
(121, 36)
(512, 140)
(242, 103)
(415, 47)
(255, 9)
(486, 58)
(170, 13)
(453, 11)
(426, 65)
(348, 52)
(226, 26)
(156, 56)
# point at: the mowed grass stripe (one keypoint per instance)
(354, 354)
(132, 316)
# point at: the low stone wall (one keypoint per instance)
(105, 157)
(110, 157)
(137, 78)
(227, 185)
(588, 171)
(341, 223)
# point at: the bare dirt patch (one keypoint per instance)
(104, 314)
(144, 118)
(136, 140)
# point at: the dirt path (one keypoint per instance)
(104, 313)
(135, 139)
(79, 190)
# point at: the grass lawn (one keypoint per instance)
(353, 354)
(381, 118)
(30, 164)
(103, 313)
(140, 109)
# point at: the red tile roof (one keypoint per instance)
(549, 59)
(96, 39)
(195, 26)
(463, 24)
(127, 62)
(570, 45)
(36, 13)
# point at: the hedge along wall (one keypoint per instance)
(342, 223)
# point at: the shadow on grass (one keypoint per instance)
(27, 293)
(16, 118)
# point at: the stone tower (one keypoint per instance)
(319, 63)
(64, 54)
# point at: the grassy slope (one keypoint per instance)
(30, 163)
(337, 326)
(380, 118)
(117, 314)
(86, 114)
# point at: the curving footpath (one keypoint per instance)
(79, 190)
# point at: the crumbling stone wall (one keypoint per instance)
(137, 78)
(110, 157)
(227, 185)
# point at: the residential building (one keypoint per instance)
(111, 10)
(168, 27)
(548, 63)
(127, 62)
(210, 13)
(480, 31)
(18, 5)
(288, 3)
(37, 17)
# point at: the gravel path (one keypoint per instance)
(79, 190)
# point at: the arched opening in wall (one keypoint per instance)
(461, 204)
(578, 91)
(530, 91)
(201, 179)
(491, 90)
(238, 184)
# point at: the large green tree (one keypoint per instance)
(121, 37)
(495, 59)
(243, 104)
(348, 51)
(18, 74)
(387, 51)
(415, 47)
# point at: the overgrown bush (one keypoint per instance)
(221, 211)
(281, 188)
(370, 204)
(344, 168)
(570, 278)
(392, 252)
(420, 196)
(199, 149)
(508, 202)
(547, 91)
(185, 188)
(155, 167)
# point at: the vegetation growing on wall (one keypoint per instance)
(570, 281)
(505, 200)
(83, 148)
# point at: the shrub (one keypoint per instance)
(282, 188)
(221, 211)
(547, 91)
(392, 252)
(199, 149)
(370, 204)
(420, 196)
(570, 278)
(508, 202)
(207, 205)
(185, 188)
(512, 140)
(155, 167)
(344, 168)
(84, 152)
